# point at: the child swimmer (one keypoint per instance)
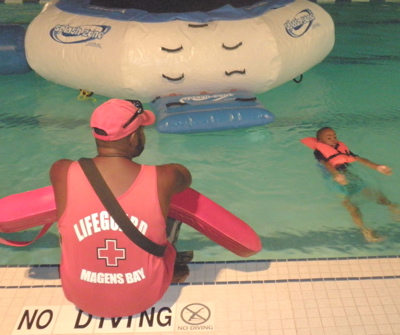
(335, 157)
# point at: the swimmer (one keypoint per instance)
(336, 158)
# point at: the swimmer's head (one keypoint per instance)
(327, 136)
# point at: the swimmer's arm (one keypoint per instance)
(340, 178)
(380, 168)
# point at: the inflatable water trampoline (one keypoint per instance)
(149, 49)
(125, 52)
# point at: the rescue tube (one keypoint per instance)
(124, 52)
(37, 208)
(338, 156)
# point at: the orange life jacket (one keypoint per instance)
(338, 156)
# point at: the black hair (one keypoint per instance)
(320, 131)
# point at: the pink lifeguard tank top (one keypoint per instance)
(102, 271)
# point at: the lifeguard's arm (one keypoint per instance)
(380, 168)
(176, 176)
(184, 178)
(58, 178)
(172, 178)
(340, 178)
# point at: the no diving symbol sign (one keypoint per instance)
(195, 314)
(196, 317)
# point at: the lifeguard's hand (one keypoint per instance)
(384, 169)
(340, 179)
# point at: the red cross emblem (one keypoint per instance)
(111, 253)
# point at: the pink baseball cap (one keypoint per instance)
(120, 118)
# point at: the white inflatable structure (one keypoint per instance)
(128, 53)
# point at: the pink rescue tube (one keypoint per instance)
(214, 221)
(34, 208)
(27, 210)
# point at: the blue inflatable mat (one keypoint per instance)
(209, 112)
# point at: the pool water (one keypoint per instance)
(264, 174)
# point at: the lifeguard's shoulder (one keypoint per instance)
(175, 172)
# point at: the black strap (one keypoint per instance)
(338, 154)
(115, 210)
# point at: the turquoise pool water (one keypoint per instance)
(264, 175)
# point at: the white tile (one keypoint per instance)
(297, 306)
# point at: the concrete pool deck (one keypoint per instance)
(316, 296)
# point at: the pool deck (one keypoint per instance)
(319, 296)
